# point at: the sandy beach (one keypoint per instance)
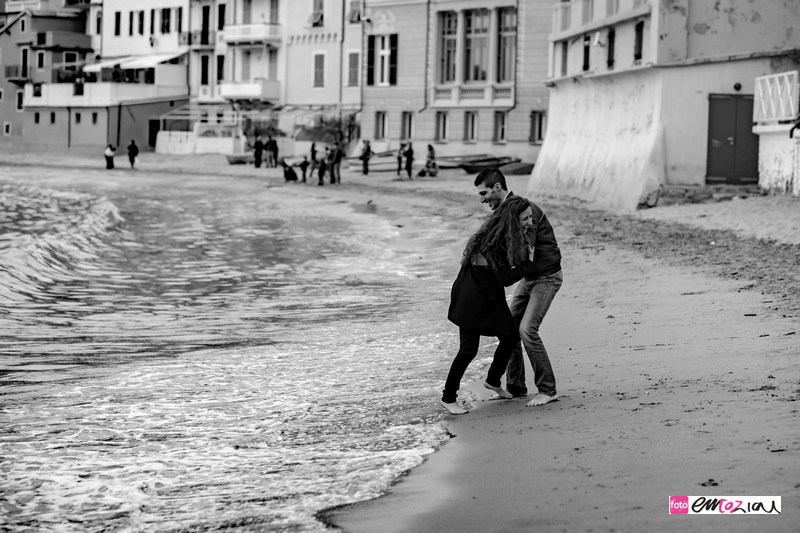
(677, 373)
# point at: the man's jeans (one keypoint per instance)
(531, 300)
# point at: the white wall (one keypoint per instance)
(778, 159)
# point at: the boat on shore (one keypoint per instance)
(240, 159)
(475, 166)
(516, 169)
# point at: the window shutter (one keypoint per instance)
(370, 60)
(393, 59)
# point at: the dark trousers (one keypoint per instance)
(109, 161)
(467, 351)
(365, 167)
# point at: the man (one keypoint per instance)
(133, 151)
(336, 168)
(366, 153)
(532, 296)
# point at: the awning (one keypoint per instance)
(106, 63)
(132, 62)
(149, 61)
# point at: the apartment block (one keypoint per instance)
(646, 94)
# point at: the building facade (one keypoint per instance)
(40, 42)
(652, 93)
(465, 76)
(118, 91)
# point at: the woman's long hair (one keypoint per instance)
(501, 239)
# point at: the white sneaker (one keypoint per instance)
(541, 399)
(454, 408)
(499, 390)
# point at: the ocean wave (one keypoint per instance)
(48, 237)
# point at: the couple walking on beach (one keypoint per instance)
(515, 244)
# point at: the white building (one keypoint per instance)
(138, 73)
(652, 93)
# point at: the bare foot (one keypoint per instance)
(541, 399)
(499, 390)
(454, 408)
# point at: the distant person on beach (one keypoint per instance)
(400, 158)
(330, 155)
(532, 296)
(495, 256)
(431, 168)
(133, 151)
(336, 168)
(258, 151)
(323, 167)
(304, 167)
(271, 147)
(366, 154)
(288, 172)
(314, 162)
(409, 155)
(109, 155)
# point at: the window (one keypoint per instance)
(407, 125)
(6, 128)
(611, 38)
(52, 118)
(117, 23)
(36, 118)
(476, 49)
(507, 46)
(319, 70)
(354, 12)
(538, 126)
(22, 25)
(178, 19)
(130, 23)
(380, 125)
(352, 69)
(273, 11)
(94, 118)
(638, 41)
(564, 52)
(382, 57)
(220, 68)
(152, 21)
(221, 17)
(40, 60)
(448, 29)
(98, 23)
(141, 22)
(77, 118)
(37, 90)
(442, 126)
(204, 60)
(165, 19)
(20, 97)
(470, 126)
(317, 19)
(587, 48)
(1, 95)
(500, 126)
(612, 7)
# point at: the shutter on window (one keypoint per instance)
(393, 59)
(370, 60)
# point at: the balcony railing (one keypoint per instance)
(15, 6)
(252, 33)
(197, 38)
(96, 94)
(17, 72)
(575, 14)
(264, 90)
(470, 96)
(777, 98)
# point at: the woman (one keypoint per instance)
(409, 155)
(109, 155)
(497, 255)
(430, 163)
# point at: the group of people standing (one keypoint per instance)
(268, 149)
(405, 159)
(516, 244)
(111, 150)
(329, 162)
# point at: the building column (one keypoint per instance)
(461, 35)
(494, 32)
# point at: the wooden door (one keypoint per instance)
(732, 156)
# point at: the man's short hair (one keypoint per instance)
(488, 177)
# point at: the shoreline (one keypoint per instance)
(670, 375)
